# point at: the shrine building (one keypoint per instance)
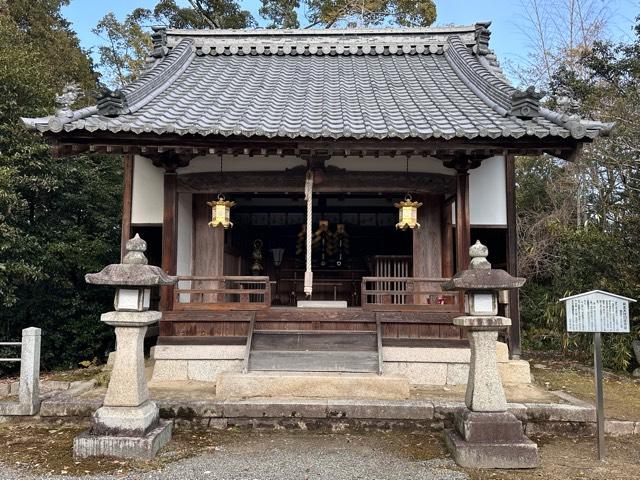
(313, 189)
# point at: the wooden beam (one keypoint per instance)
(335, 181)
(127, 195)
(463, 224)
(169, 236)
(526, 145)
(512, 257)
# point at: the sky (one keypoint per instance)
(508, 39)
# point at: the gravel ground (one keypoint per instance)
(256, 457)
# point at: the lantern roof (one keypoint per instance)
(481, 276)
(134, 270)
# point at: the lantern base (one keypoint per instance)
(144, 447)
(490, 440)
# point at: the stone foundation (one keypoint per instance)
(422, 366)
(196, 362)
(448, 366)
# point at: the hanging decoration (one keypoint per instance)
(340, 244)
(221, 209)
(221, 212)
(321, 240)
(408, 213)
(408, 209)
(257, 257)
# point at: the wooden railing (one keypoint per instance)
(222, 293)
(408, 293)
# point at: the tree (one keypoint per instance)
(59, 218)
(557, 32)
(122, 57)
(201, 14)
(282, 13)
(329, 13)
(580, 221)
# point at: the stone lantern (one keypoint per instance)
(486, 435)
(128, 424)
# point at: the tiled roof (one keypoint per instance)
(358, 83)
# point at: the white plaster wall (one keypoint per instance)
(147, 192)
(487, 193)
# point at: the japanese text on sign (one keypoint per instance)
(597, 313)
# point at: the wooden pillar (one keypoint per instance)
(463, 222)
(169, 236)
(427, 244)
(127, 192)
(512, 257)
(427, 240)
(447, 240)
(208, 248)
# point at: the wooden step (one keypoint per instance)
(314, 340)
(314, 361)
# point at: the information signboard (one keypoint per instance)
(598, 312)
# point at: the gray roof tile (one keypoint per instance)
(383, 83)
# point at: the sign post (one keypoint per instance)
(598, 312)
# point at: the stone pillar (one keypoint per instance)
(29, 390)
(126, 408)
(484, 386)
(29, 394)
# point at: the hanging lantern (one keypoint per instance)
(221, 212)
(408, 213)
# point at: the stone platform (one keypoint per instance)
(311, 385)
(420, 365)
(429, 408)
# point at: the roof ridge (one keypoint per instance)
(155, 80)
(481, 81)
(152, 83)
(328, 32)
(344, 40)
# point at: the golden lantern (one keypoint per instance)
(221, 212)
(408, 213)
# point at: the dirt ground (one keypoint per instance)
(46, 450)
(621, 392)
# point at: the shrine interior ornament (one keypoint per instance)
(408, 213)
(221, 212)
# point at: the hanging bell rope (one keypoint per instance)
(308, 196)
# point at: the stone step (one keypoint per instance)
(311, 385)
